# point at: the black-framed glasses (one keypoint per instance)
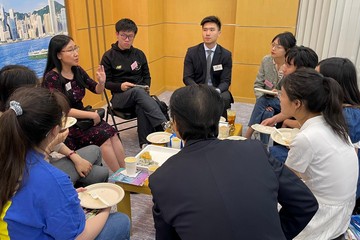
(124, 36)
(72, 50)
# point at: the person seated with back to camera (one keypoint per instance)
(269, 78)
(64, 74)
(38, 201)
(84, 167)
(128, 78)
(212, 193)
(217, 72)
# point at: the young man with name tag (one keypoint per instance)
(209, 63)
(128, 79)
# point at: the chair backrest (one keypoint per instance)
(128, 115)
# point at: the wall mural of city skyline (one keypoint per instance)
(26, 29)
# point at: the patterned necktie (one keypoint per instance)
(208, 67)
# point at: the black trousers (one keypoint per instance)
(149, 115)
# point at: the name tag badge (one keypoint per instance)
(218, 67)
(68, 86)
(268, 83)
(134, 65)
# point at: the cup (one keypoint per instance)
(223, 130)
(130, 165)
(176, 142)
(231, 115)
(152, 168)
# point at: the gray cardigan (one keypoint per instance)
(268, 71)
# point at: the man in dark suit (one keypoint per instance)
(209, 63)
(223, 189)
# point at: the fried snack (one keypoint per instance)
(146, 156)
(145, 159)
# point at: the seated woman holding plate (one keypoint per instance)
(84, 167)
(32, 119)
(268, 80)
(321, 153)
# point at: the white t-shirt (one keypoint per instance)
(329, 167)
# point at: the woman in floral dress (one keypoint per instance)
(63, 73)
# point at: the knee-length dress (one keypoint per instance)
(74, 89)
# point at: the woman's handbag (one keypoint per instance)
(86, 123)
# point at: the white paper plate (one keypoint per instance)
(265, 91)
(236, 138)
(110, 192)
(70, 121)
(159, 137)
(288, 133)
(158, 154)
(262, 128)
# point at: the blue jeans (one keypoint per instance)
(116, 227)
(279, 152)
(259, 113)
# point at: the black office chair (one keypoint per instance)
(127, 114)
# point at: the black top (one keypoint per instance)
(128, 65)
(215, 189)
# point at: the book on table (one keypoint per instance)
(138, 179)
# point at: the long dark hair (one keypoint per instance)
(318, 94)
(56, 45)
(13, 77)
(42, 110)
(344, 72)
(196, 109)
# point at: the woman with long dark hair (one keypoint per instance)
(63, 73)
(322, 153)
(37, 200)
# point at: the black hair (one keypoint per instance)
(302, 57)
(42, 110)
(286, 39)
(13, 77)
(56, 45)
(211, 19)
(344, 72)
(318, 94)
(126, 25)
(196, 110)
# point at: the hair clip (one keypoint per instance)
(14, 105)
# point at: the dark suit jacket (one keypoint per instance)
(195, 67)
(215, 189)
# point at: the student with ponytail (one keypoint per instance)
(37, 200)
(322, 153)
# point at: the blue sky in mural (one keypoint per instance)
(25, 31)
(25, 5)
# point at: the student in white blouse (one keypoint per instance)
(322, 153)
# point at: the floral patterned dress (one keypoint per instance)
(77, 137)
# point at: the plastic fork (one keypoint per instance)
(94, 195)
(282, 136)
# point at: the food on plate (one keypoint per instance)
(145, 159)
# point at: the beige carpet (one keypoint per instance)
(141, 204)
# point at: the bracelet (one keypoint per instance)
(71, 153)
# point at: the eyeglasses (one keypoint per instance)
(72, 50)
(124, 36)
(276, 46)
